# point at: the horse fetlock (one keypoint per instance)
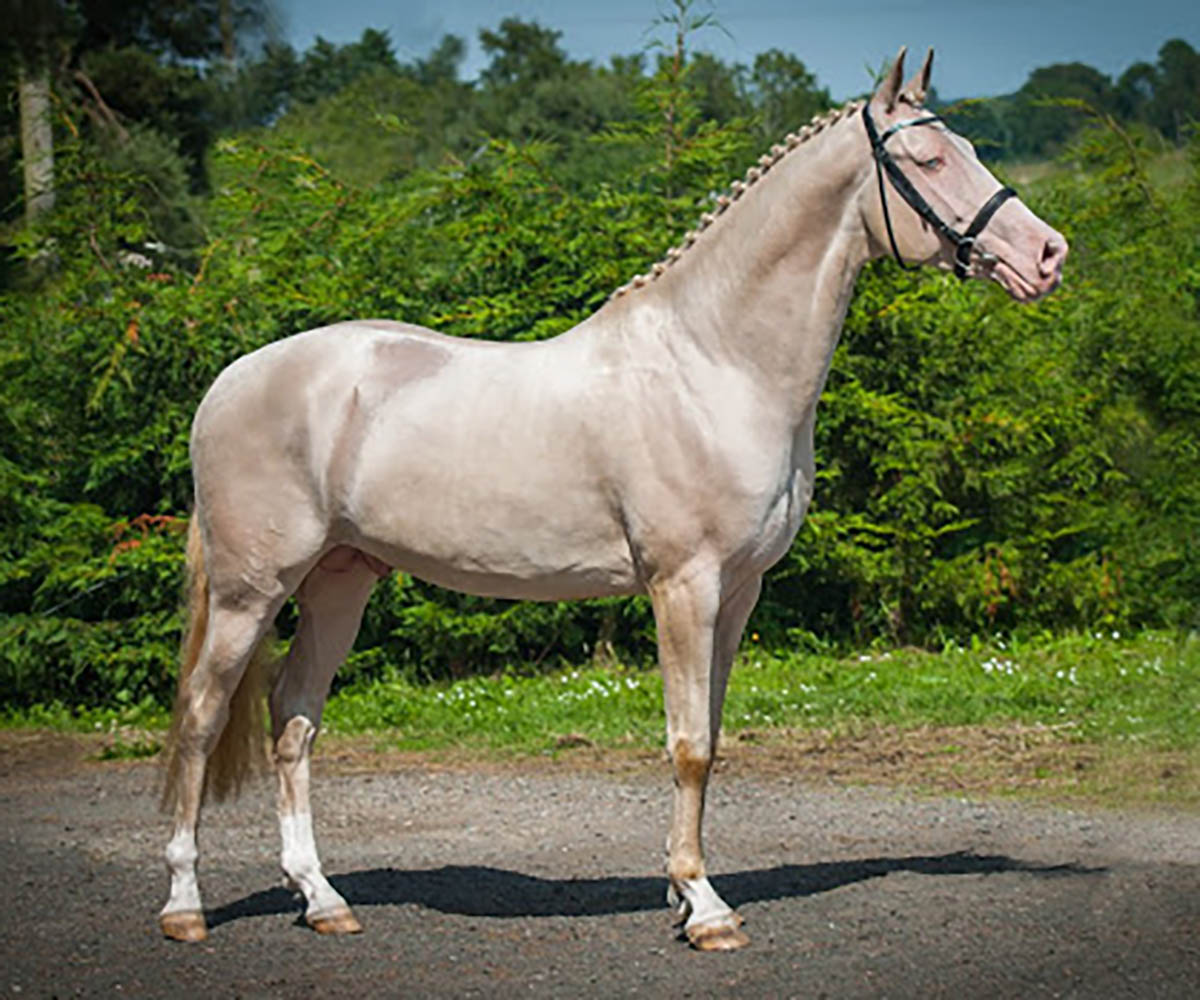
(301, 872)
(701, 900)
(326, 911)
(298, 858)
(181, 852)
(678, 904)
(708, 922)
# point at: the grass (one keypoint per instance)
(1100, 687)
(1094, 719)
(1120, 712)
(143, 716)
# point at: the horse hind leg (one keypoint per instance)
(332, 598)
(215, 678)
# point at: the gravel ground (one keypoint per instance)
(546, 881)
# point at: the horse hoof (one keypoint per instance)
(184, 925)
(724, 935)
(337, 922)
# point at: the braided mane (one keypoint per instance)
(739, 188)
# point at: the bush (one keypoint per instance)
(981, 465)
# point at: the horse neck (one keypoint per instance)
(766, 286)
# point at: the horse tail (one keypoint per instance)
(241, 746)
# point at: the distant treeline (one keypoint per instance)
(158, 82)
(1038, 119)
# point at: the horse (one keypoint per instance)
(663, 446)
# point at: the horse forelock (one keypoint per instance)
(738, 188)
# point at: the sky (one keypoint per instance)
(982, 47)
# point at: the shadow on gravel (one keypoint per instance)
(475, 891)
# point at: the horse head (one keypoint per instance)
(931, 201)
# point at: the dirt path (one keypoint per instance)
(545, 881)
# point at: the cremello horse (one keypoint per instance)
(662, 446)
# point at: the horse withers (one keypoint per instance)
(663, 446)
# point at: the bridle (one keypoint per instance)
(964, 243)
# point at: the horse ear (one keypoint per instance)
(918, 86)
(889, 90)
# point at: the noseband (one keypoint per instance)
(964, 243)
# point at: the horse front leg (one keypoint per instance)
(687, 611)
(731, 623)
(332, 598)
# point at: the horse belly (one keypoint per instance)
(467, 576)
(502, 518)
(499, 552)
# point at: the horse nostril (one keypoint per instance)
(1054, 252)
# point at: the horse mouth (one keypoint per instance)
(1018, 286)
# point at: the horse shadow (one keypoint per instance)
(478, 891)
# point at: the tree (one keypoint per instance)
(443, 63)
(785, 93)
(720, 95)
(37, 137)
(1177, 92)
(39, 28)
(1046, 126)
(117, 61)
(1135, 90)
(531, 90)
(522, 53)
(170, 29)
(259, 90)
(326, 68)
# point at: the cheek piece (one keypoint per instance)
(964, 243)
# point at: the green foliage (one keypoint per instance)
(983, 466)
(136, 749)
(986, 465)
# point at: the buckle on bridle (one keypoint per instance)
(962, 257)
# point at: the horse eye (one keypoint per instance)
(933, 163)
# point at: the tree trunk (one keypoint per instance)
(37, 140)
(228, 39)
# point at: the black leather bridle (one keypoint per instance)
(964, 243)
